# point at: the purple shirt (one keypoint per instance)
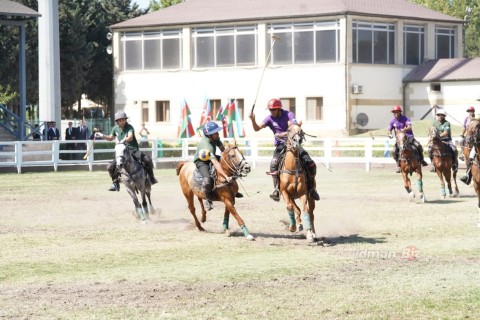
(466, 122)
(400, 123)
(279, 124)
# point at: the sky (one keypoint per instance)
(142, 3)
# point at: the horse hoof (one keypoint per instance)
(250, 237)
(292, 228)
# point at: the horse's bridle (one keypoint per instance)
(236, 168)
(291, 141)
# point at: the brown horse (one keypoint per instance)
(442, 161)
(472, 140)
(409, 163)
(293, 184)
(235, 165)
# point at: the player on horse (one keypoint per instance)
(402, 123)
(472, 125)
(205, 155)
(125, 133)
(278, 121)
(444, 130)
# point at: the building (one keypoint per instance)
(339, 65)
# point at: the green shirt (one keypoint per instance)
(442, 127)
(122, 134)
(211, 146)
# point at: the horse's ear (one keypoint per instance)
(234, 142)
(299, 123)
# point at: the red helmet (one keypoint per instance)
(397, 109)
(472, 109)
(275, 104)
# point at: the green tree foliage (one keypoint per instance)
(458, 9)
(159, 4)
(6, 95)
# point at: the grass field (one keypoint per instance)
(72, 250)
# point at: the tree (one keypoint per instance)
(156, 5)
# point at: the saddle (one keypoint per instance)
(197, 179)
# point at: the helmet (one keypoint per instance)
(275, 104)
(211, 128)
(120, 115)
(441, 111)
(471, 109)
(204, 155)
(397, 109)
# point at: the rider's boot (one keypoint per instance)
(275, 196)
(151, 177)
(312, 187)
(467, 178)
(397, 169)
(239, 195)
(207, 191)
(115, 185)
(422, 161)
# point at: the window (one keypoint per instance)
(314, 108)
(414, 44)
(288, 104)
(444, 42)
(305, 43)
(152, 50)
(373, 42)
(163, 111)
(215, 104)
(224, 46)
(144, 111)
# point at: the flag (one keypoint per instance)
(237, 117)
(206, 114)
(185, 128)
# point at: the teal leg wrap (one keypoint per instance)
(450, 191)
(442, 191)
(245, 231)
(141, 214)
(420, 185)
(225, 222)
(291, 215)
(306, 221)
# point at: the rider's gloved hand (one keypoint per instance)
(228, 179)
(98, 135)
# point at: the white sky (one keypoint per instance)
(142, 3)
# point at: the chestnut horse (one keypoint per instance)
(293, 184)
(409, 163)
(472, 140)
(442, 161)
(235, 165)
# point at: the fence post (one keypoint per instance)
(368, 154)
(55, 154)
(19, 155)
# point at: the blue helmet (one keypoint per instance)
(210, 128)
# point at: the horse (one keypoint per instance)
(134, 178)
(409, 163)
(293, 184)
(442, 161)
(235, 165)
(472, 140)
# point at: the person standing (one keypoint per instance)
(53, 132)
(70, 134)
(444, 130)
(403, 124)
(82, 134)
(278, 121)
(125, 133)
(143, 136)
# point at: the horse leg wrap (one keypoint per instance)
(420, 185)
(245, 231)
(442, 191)
(306, 221)
(291, 215)
(225, 223)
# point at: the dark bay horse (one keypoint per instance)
(472, 138)
(442, 161)
(234, 164)
(134, 178)
(409, 163)
(293, 184)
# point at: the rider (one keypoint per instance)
(205, 155)
(277, 121)
(124, 133)
(402, 123)
(466, 122)
(467, 178)
(443, 128)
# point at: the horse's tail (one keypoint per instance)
(179, 167)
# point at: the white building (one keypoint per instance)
(339, 65)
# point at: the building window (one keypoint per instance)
(224, 46)
(373, 42)
(163, 111)
(414, 44)
(144, 111)
(215, 104)
(152, 50)
(314, 109)
(444, 42)
(288, 104)
(305, 43)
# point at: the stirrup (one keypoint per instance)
(424, 163)
(207, 203)
(239, 195)
(466, 179)
(115, 186)
(275, 196)
(314, 195)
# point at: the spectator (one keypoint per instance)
(53, 132)
(82, 134)
(70, 134)
(143, 136)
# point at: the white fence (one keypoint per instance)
(21, 154)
